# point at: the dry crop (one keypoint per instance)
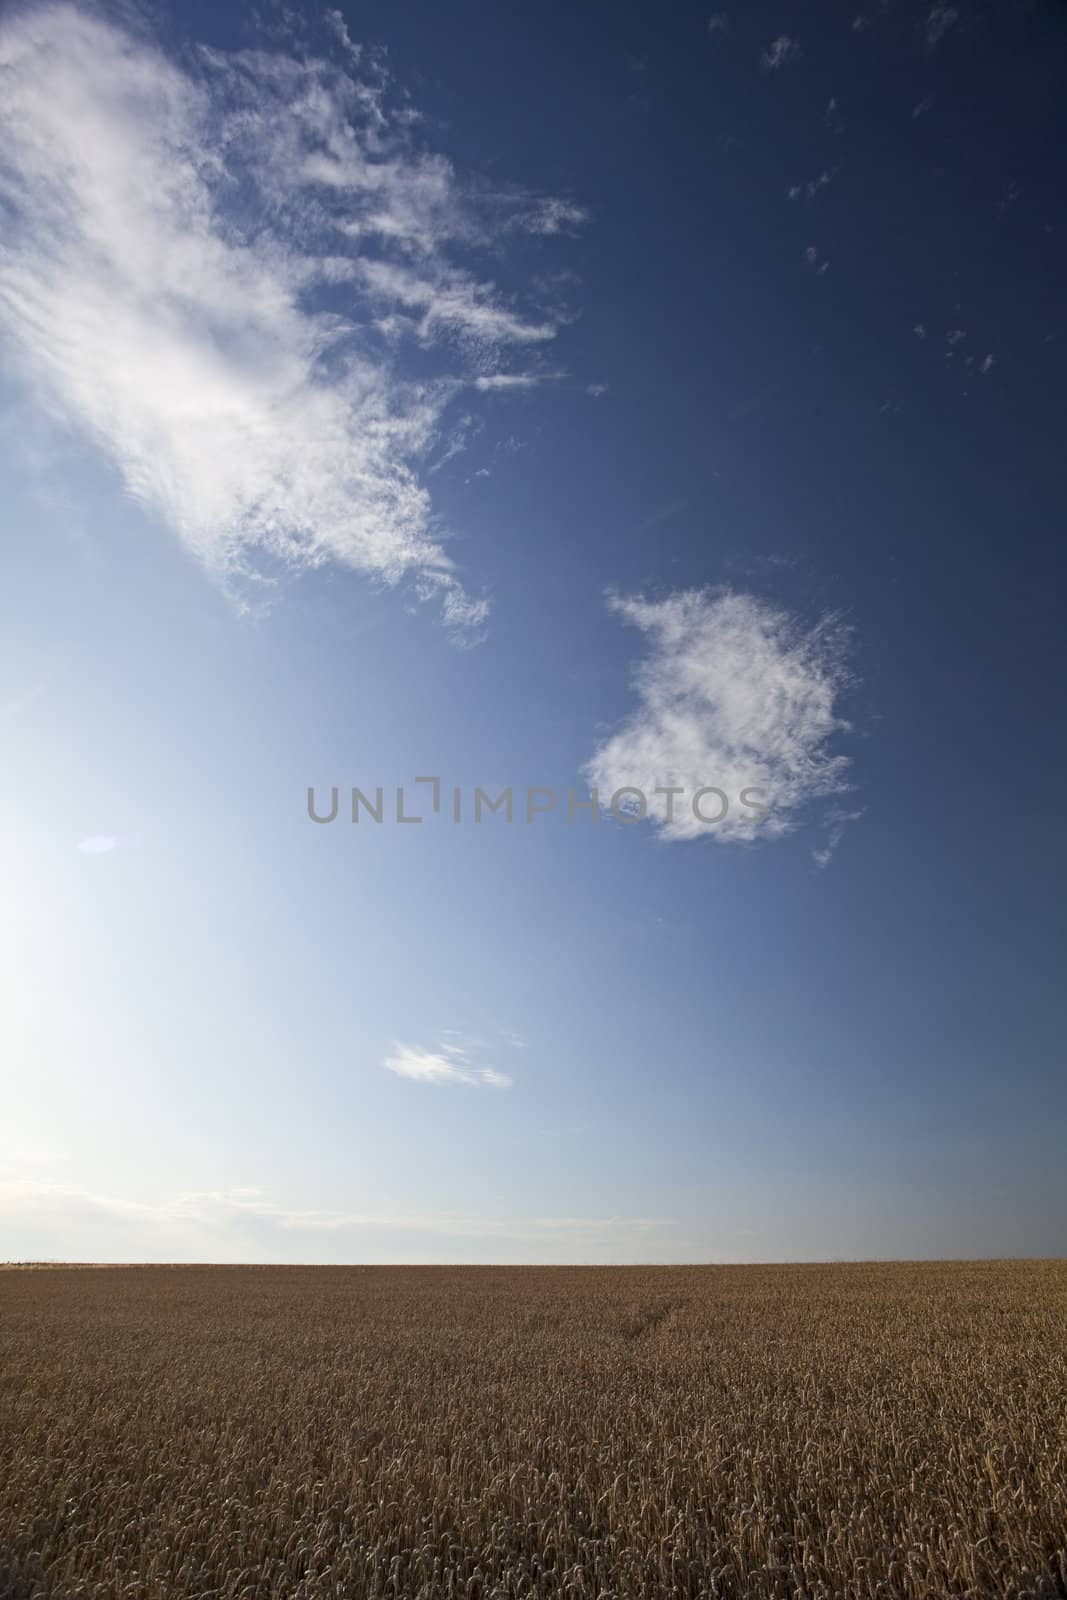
(242, 1433)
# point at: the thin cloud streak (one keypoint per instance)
(449, 1064)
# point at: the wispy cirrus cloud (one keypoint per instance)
(450, 1063)
(214, 267)
(451, 302)
(548, 216)
(735, 693)
(941, 18)
(835, 823)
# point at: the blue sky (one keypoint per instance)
(595, 395)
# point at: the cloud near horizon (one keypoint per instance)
(213, 271)
(243, 1223)
(734, 694)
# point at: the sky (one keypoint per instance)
(614, 398)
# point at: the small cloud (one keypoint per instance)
(923, 106)
(988, 363)
(493, 1079)
(940, 20)
(813, 186)
(456, 441)
(718, 23)
(97, 844)
(337, 25)
(781, 52)
(837, 821)
(550, 216)
(814, 261)
(501, 382)
(596, 389)
(955, 336)
(450, 1063)
(737, 694)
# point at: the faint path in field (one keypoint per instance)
(657, 1314)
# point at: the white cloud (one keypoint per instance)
(497, 381)
(97, 844)
(213, 271)
(735, 694)
(450, 1063)
(718, 23)
(780, 53)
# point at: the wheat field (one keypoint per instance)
(245, 1433)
